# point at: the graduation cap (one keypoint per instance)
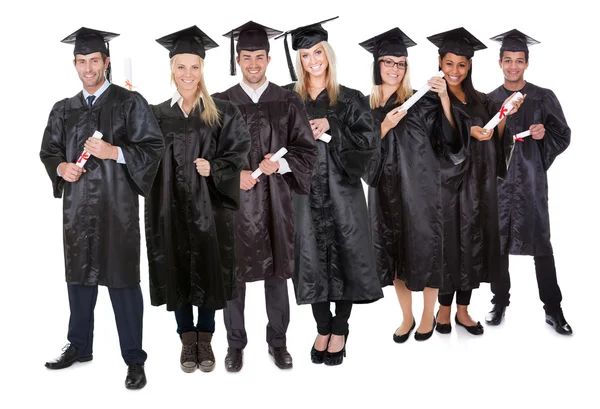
(304, 37)
(250, 37)
(514, 41)
(393, 42)
(190, 40)
(458, 41)
(88, 41)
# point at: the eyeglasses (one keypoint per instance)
(389, 63)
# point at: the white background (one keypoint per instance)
(522, 362)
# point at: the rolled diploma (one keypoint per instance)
(417, 95)
(278, 155)
(325, 137)
(85, 155)
(502, 113)
(521, 135)
(128, 76)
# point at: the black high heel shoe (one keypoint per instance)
(336, 358)
(476, 329)
(427, 335)
(399, 339)
(442, 328)
(316, 356)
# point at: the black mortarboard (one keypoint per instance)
(304, 37)
(514, 41)
(191, 40)
(458, 41)
(250, 37)
(88, 41)
(393, 42)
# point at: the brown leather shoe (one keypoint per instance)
(188, 359)
(206, 357)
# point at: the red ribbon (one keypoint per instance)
(128, 85)
(503, 112)
(83, 156)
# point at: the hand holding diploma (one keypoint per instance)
(86, 155)
(278, 155)
(435, 84)
(510, 106)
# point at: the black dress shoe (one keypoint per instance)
(316, 356)
(399, 339)
(558, 321)
(136, 377)
(495, 316)
(67, 358)
(425, 336)
(336, 358)
(442, 328)
(234, 359)
(476, 329)
(282, 357)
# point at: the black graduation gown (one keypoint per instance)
(189, 218)
(333, 254)
(470, 201)
(101, 231)
(405, 197)
(264, 225)
(523, 194)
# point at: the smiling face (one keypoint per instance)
(90, 68)
(513, 65)
(314, 60)
(187, 72)
(455, 68)
(254, 66)
(392, 70)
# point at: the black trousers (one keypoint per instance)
(462, 298)
(185, 320)
(278, 311)
(328, 324)
(128, 307)
(545, 271)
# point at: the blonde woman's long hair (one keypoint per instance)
(331, 84)
(210, 114)
(403, 92)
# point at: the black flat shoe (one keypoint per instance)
(496, 315)
(427, 335)
(136, 377)
(399, 339)
(316, 356)
(442, 328)
(282, 357)
(67, 358)
(476, 329)
(336, 358)
(558, 321)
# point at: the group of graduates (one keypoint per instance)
(448, 200)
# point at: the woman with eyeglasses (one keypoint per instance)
(405, 206)
(334, 260)
(469, 195)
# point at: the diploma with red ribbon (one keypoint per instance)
(278, 155)
(128, 78)
(417, 95)
(519, 137)
(85, 155)
(503, 112)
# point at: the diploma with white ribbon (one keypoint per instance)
(278, 155)
(85, 155)
(417, 95)
(503, 112)
(128, 75)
